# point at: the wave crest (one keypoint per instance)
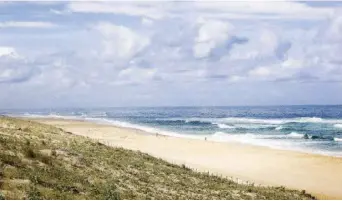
(296, 135)
(224, 126)
(278, 128)
(338, 139)
(338, 125)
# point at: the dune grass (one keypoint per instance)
(39, 161)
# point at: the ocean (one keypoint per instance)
(311, 129)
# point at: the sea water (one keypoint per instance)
(314, 129)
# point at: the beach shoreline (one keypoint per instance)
(319, 175)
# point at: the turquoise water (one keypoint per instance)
(316, 129)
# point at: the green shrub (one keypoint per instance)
(46, 159)
(34, 193)
(30, 153)
(185, 167)
(111, 194)
(53, 153)
(2, 197)
(10, 160)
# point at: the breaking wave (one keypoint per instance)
(296, 135)
(338, 139)
(281, 121)
(338, 125)
(278, 128)
(237, 120)
(224, 126)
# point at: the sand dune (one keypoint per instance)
(317, 174)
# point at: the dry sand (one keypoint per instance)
(317, 174)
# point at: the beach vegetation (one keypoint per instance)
(39, 161)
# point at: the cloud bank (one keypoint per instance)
(170, 53)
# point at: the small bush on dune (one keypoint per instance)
(46, 159)
(34, 194)
(2, 197)
(10, 160)
(185, 167)
(111, 193)
(30, 153)
(53, 153)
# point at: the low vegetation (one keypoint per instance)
(43, 162)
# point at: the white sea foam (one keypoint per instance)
(310, 120)
(97, 114)
(338, 139)
(254, 126)
(254, 139)
(285, 120)
(251, 120)
(147, 129)
(338, 125)
(273, 122)
(296, 135)
(245, 137)
(261, 140)
(278, 128)
(316, 120)
(224, 126)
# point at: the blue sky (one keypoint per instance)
(89, 54)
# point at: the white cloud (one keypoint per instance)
(293, 63)
(142, 9)
(260, 72)
(8, 52)
(261, 44)
(262, 10)
(334, 31)
(26, 24)
(58, 12)
(269, 41)
(120, 41)
(211, 34)
(13, 67)
(140, 46)
(217, 10)
(236, 78)
(134, 75)
(146, 22)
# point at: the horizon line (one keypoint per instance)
(168, 106)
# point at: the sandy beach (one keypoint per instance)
(317, 174)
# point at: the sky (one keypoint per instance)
(169, 53)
